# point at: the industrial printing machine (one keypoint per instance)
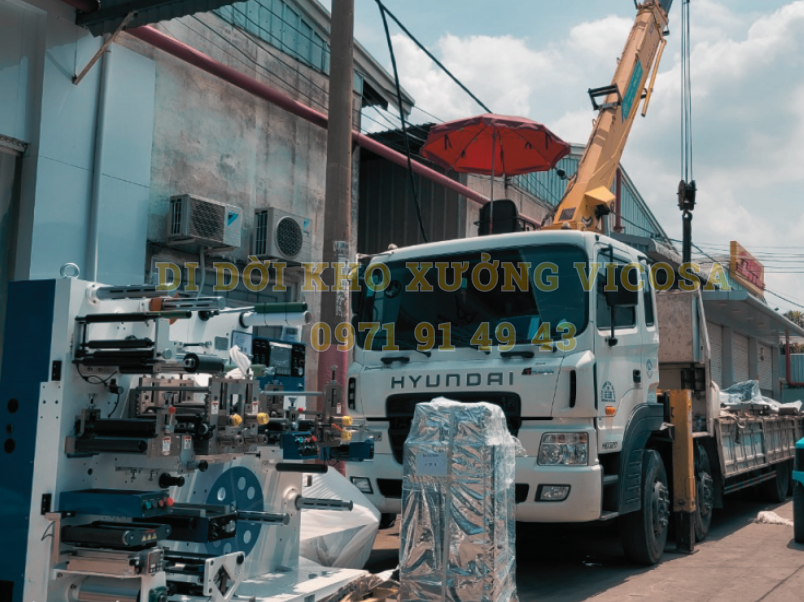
(134, 469)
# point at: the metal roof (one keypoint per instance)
(112, 12)
(748, 315)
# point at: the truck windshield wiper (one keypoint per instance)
(411, 347)
(390, 359)
(526, 353)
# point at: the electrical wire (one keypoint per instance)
(411, 175)
(653, 233)
(423, 48)
(388, 124)
(438, 119)
(48, 532)
(98, 379)
(202, 256)
(254, 63)
(285, 23)
(117, 403)
(784, 299)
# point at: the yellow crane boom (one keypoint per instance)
(588, 196)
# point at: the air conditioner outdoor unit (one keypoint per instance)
(281, 235)
(195, 221)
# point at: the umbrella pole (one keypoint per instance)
(493, 157)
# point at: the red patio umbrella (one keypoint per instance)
(494, 145)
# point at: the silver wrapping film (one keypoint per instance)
(458, 527)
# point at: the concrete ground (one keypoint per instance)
(741, 561)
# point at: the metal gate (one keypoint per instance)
(740, 357)
(715, 332)
(765, 362)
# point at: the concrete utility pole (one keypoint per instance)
(338, 194)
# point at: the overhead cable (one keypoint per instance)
(411, 175)
(423, 48)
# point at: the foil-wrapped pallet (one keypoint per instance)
(458, 527)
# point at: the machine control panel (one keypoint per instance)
(116, 502)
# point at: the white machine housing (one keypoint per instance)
(46, 412)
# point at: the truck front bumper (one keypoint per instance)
(582, 504)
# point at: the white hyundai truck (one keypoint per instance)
(561, 329)
(525, 321)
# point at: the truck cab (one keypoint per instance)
(523, 321)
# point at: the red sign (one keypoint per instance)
(746, 269)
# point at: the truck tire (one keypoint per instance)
(704, 494)
(798, 512)
(644, 533)
(775, 490)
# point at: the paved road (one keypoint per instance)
(741, 561)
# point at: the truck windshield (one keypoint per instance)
(504, 309)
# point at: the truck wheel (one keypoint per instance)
(775, 490)
(644, 533)
(387, 520)
(798, 512)
(704, 494)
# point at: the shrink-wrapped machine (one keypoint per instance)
(458, 527)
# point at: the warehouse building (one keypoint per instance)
(388, 213)
(88, 169)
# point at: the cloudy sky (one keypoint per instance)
(537, 58)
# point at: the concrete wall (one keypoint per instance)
(214, 140)
(161, 128)
(58, 121)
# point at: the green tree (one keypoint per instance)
(797, 317)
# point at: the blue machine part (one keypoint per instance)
(357, 451)
(26, 365)
(303, 446)
(798, 468)
(241, 488)
(116, 502)
(299, 446)
(362, 450)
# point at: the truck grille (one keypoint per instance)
(400, 408)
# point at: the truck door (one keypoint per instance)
(619, 365)
(650, 338)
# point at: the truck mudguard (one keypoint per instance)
(644, 421)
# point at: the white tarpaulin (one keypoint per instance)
(338, 539)
(746, 395)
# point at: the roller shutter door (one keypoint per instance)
(716, 345)
(740, 357)
(765, 362)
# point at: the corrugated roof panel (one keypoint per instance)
(113, 12)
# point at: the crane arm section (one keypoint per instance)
(588, 196)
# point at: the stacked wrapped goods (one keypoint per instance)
(458, 527)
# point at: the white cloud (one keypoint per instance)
(503, 72)
(748, 113)
(748, 86)
(600, 41)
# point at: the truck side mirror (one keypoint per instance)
(356, 297)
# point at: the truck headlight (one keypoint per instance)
(564, 448)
